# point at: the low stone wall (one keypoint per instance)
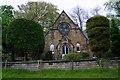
(32, 66)
(69, 65)
(78, 65)
(63, 65)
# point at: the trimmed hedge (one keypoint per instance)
(97, 28)
(26, 36)
(97, 21)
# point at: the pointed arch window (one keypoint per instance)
(78, 47)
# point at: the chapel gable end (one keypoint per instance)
(63, 17)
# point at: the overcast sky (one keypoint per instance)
(66, 5)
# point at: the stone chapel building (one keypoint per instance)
(64, 37)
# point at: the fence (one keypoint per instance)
(63, 64)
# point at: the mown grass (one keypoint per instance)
(57, 73)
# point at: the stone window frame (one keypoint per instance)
(64, 23)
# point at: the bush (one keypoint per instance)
(108, 54)
(76, 56)
(48, 56)
(103, 63)
(72, 56)
(85, 55)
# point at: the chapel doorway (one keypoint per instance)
(65, 50)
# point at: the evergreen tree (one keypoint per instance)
(115, 39)
(97, 28)
(27, 37)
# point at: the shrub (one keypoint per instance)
(97, 29)
(85, 55)
(48, 56)
(103, 63)
(72, 56)
(76, 56)
(109, 54)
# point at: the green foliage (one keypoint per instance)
(72, 56)
(109, 54)
(76, 56)
(103, 63)
(26, 36)
(41, 12)
(97, 28)
(6, 14)
(85, 55)
(48, 56)
(98, 20)
(115, 38)
(4, 44)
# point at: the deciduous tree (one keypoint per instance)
(80, 17)
(6, 14)
(113, 5)
(41, 12)
(95, 11)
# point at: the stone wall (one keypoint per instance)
(63, 65)
(70, 65)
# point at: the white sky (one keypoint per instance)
(66, 5)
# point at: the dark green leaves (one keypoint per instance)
(98, 33)
(26, 36)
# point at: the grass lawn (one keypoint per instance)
(57, 73)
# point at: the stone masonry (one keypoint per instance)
(64, 44)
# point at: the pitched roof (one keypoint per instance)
(63, 12)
